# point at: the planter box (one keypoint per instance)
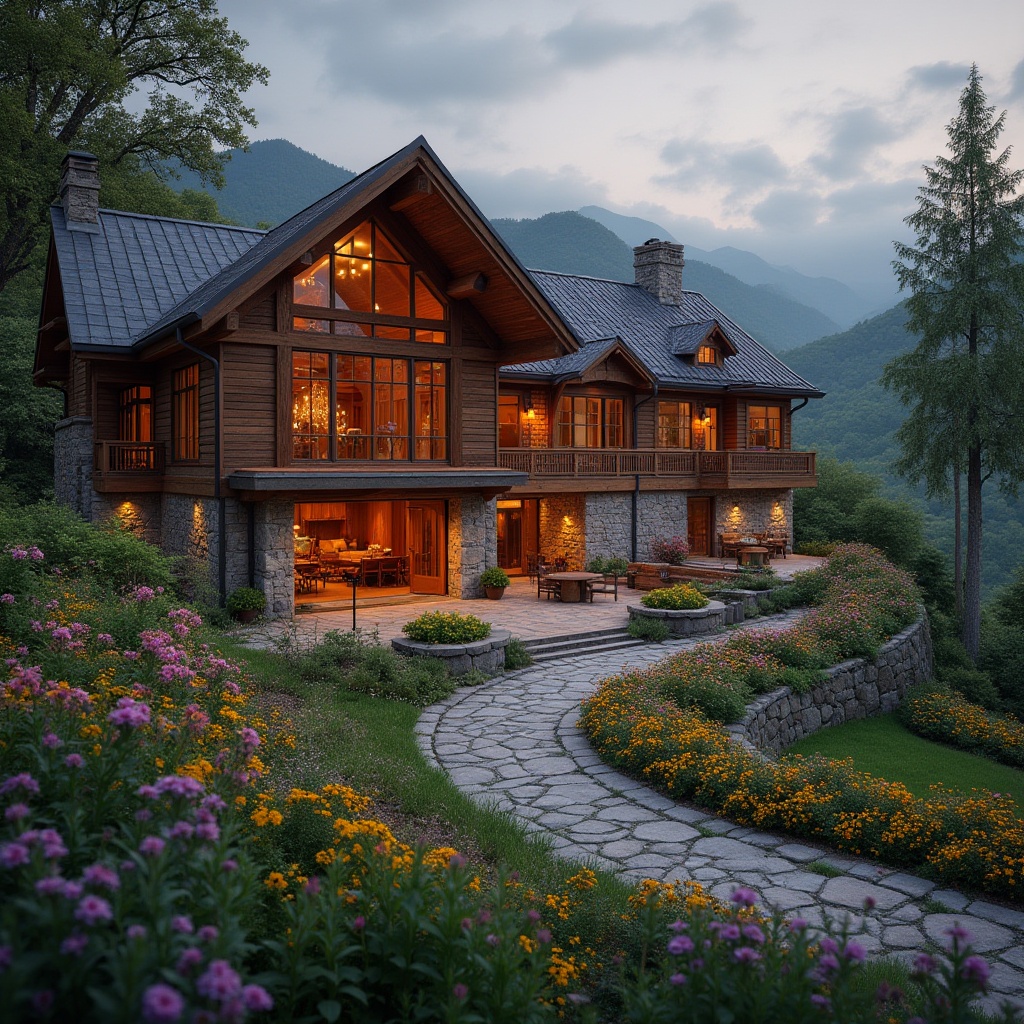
(487, 655)
(686, 621)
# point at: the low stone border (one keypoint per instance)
(741, 603)
(487, 655)
(685, 621)
(854, 689)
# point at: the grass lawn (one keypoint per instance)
(883, 747)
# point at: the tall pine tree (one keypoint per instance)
(964, 381)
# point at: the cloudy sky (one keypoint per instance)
(793, 128)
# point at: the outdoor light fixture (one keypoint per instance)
(528, 407)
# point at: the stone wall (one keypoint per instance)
(563, 519)
(659, 514)
(72, 464)
(854, 689)
(472, 544)
(752, 511)
(190, 532)
(275, 554)
(608, 525)
(486, 656)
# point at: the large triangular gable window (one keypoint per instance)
(365, 287)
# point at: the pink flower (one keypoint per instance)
(52, 741)
(256, 998)
(13, 855)
(680, 944)
(136, 932)
(229, 865)
(152, 846)
(162, 1004)
(208, 933)
(51, 885)
(74, 945)
(182, 923)
(20, 781)
(460, 991)
(16, 812)
(746, 897)
(93, 910)
(74, 761)
(6, 599)
(977, 970)
(130, 713)
(101, 875)
(189, 959)
(180, 785)
(219, 982)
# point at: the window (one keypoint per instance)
(675, 425)
(135, 415)
(365, 288)
(508, 421)
(185, 414)
(764, 423)
(383, 409)
(708, 355)
(583, 422)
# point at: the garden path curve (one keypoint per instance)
(513, 742)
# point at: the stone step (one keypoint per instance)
(550, 648)
(582, 635)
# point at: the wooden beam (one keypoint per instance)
(57, 321)
(411, 190)
(467, 286)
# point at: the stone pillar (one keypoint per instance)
(608, 527)
(563, 521)
(72, 464)
(472, 544)
(275, 556)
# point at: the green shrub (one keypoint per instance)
(720, 703)
(802, 680)
(246, 599)
(677, 598)
(428, 680)
(652, 631)
(973, 685)
(446, 628)
(495, 576)
(757, 579)
(474, 677)
(819, 548)
(516, 654)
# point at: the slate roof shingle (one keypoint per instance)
(597, 309)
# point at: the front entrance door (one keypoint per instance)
(510, 538)
(427, 543)
(698, 517)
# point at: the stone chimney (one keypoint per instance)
(659, 268)
(80, 191)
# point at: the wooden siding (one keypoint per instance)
(479, 414)
(260, 315)
(249, 412)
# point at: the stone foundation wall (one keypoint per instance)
(659, 514)
(854, 689)
(752, 511)
(275, 556)
(563, 522)
(472, 544)
(607, 525)
(72, 464)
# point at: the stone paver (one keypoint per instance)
(515, 738)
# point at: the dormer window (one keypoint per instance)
(709, 355)
(365, 287)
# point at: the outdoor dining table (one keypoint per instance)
(572, 586)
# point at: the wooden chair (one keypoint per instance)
(532, 564)
(369, 571)
(607, 584)
(390, 572)
(775, 539)
(728, 544)
(546, 586)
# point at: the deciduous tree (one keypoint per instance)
(70, 72)
(964, 381)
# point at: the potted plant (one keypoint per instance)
(494, 581)
(246, 603)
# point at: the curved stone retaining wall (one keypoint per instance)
(684, 621)
(488, 655)
(855, 689)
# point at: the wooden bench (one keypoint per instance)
(607, 584)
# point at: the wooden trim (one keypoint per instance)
(284, 388)
(414, 188)
(467, 286)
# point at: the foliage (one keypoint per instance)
(611, 566)
(672, 550)
(446, 628)
(495, 576)
(382, 672)
(73, 545)
(517, 655)
(69, 70)
(1002, 658)
(964, 380)
(756, 579)
(894, 527)
(675, 598)
(246, 599)
(824, 513)
(949, 718)
(652, 631)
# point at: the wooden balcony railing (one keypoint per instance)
(129, 457)
(733, 468)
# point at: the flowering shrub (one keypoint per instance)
(945, 716)
(672, 550)
(446, 628)
(680, 596)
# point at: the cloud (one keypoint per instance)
(1016, 93)
(720, 24)
(740, 168)
(854, 134)
(531, 191)
(788, 208)
(938, 77)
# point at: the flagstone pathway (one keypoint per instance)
(513, 742)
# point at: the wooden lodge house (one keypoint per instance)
(380, 373)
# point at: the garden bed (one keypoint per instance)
(684, 621)
(486, 655)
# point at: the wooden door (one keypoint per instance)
(699, 533)
(427, 545)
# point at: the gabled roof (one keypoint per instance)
(135, 268)
(589, 355)
(138, 278)
(597, 309)
(686, 339)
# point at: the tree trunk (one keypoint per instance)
(958, 550)
(971, 628)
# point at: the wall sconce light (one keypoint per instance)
(528, 408)
(567, 520)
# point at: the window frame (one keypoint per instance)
(684, 424)
(601, 424)
(766, 431)
(135, 414)
(185, 413)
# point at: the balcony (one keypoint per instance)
(118, 464)
(672, 468)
